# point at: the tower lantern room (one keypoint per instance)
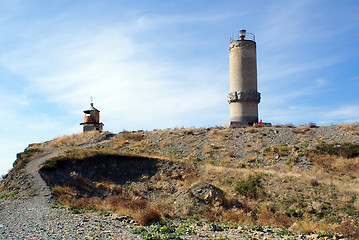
(92, 120)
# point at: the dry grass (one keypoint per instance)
(131, 136)
(219, 134)
(301, 129)
(165, 143)
(207, 149)
(122, 203)
(349, 127)
(349, 228)
(336, 164)
(118, 144)
(230, 154)
(74, 140)
(251, 129)
(148, 216)
(312, 125)
(71, 155)
(306, 226)
(251, 158)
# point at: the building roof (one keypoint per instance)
(92, 108)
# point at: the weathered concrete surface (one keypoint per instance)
(243, 97)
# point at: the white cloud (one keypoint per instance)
(124, 76)
(345, 114)
(300, 114)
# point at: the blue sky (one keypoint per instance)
(164, 64)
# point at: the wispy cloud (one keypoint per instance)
(123, 76)
(345, 114)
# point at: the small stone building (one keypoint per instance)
(92, 120)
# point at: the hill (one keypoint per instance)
(301, 179)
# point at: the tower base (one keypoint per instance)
(240, 124)
(237, 121)
(92, 127)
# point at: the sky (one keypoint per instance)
(165, 63)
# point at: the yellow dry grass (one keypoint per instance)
(337, 164)
(307, 226)
(165, 143)
(119, 143)
(74, 140)
(349, 127)
(301, 129)
(207, 149)
(250, 158)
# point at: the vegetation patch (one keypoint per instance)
(77, 154)
(347, 150)
(76, 140)
(162, 230)
(250, 187)
(24, 157)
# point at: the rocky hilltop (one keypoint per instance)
(207, 183)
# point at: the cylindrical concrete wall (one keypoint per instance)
(242, 65)
(243, 97)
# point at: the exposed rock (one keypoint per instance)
(207, 193)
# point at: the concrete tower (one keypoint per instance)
(92, 120)
(243, 97)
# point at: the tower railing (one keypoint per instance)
(237, 37)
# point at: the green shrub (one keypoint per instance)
(293, 213)
(173, 236)
(167, 229)
(257, 228)
(3, 195)
(149, 236)
(283, 232)
(138, 230)
(250, 187)
(181, 230)
(76, 210)
(13, 194)
(156, 229)
(325, 234)
(347, 150)
(215, 227)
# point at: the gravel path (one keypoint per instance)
(41, 189)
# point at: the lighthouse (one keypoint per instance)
(243, 97)
(92, 119)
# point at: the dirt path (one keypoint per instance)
(41, 189)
